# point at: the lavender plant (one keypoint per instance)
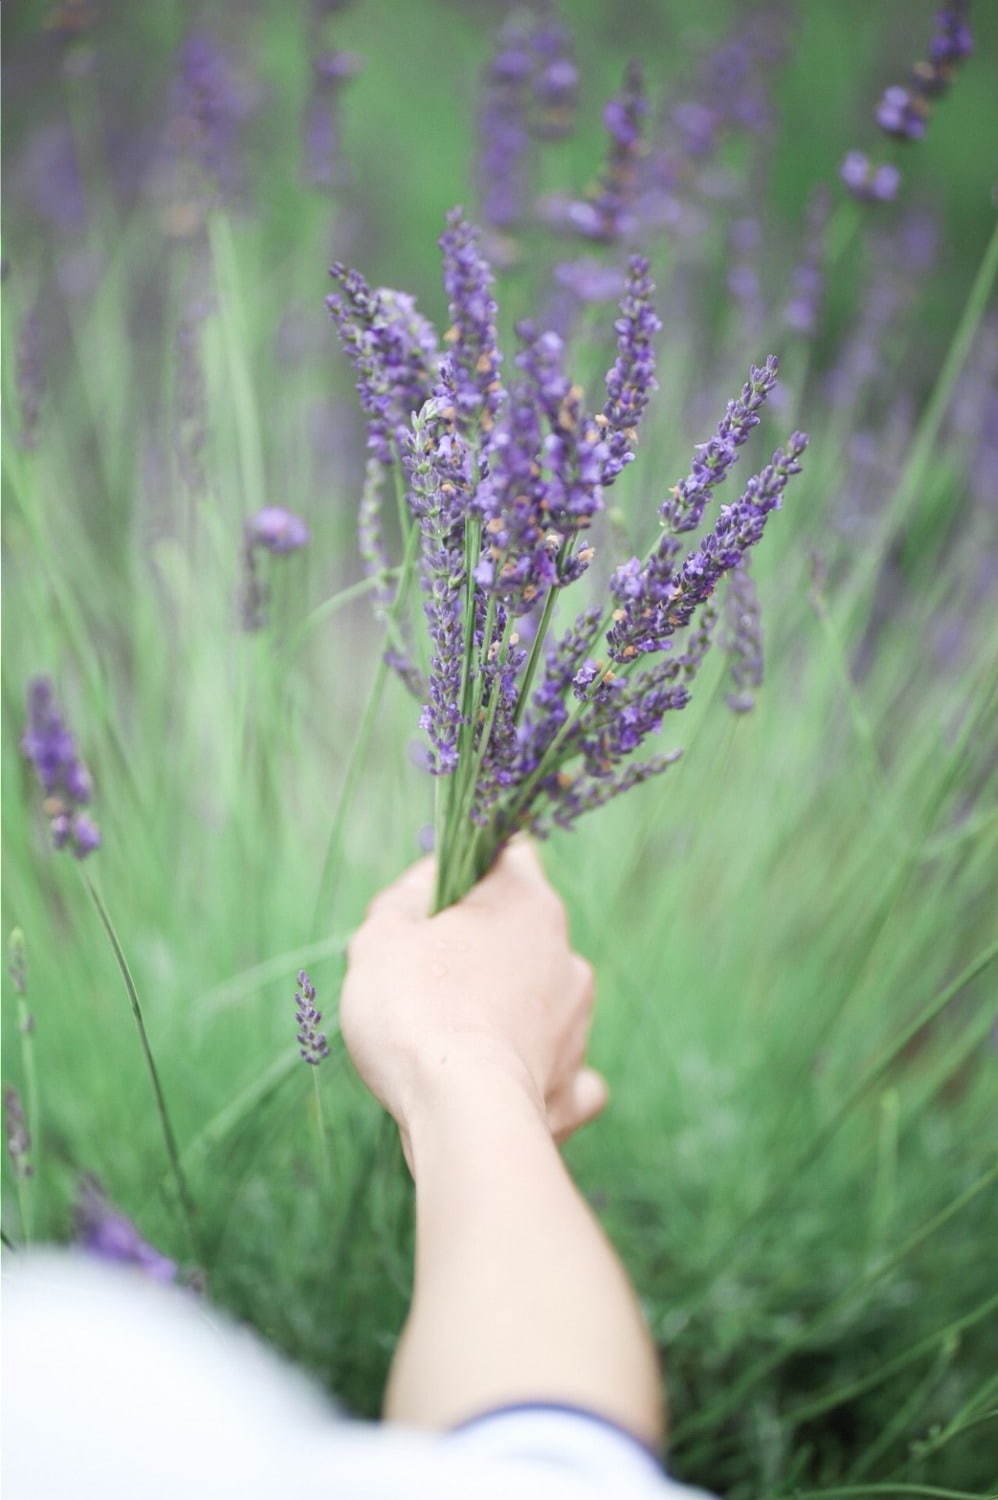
(904, 110)
(503, 482)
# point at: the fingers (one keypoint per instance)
(580, 1102)
(410, 895)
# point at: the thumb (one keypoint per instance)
(584, 1098)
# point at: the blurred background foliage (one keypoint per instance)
(793, 932)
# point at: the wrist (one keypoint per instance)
(467, 1088)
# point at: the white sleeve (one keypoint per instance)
(116, 1388)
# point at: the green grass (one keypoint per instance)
(792, 932)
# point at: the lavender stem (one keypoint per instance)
(169, 1139)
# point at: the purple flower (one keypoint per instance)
(277, 531)
(503, 137)
(631, 380)
(591, 281)
(474, 359)
(50, 747)
(902, 113)
(312, 1044)
(211, 106)
(869, 182)
(607, 213)
(31, 382)
(394, 352)
(656, 598)
(555, 80)
(330, 72)
(105, 1232)
(743, 639)
(18, 1135)
(807, 280)
(439, 471)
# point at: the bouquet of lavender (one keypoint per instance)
(498, 486)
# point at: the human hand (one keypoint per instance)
(489, 985)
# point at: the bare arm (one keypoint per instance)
(470, 1027)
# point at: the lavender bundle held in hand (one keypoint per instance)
(503, 481)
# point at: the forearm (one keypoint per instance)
(518, 1294)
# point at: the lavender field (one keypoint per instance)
(632, 480)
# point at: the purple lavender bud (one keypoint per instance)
(322, 129)
(53, 181)
(555, 80)
(211, 106)
(570, 797)
(393, 350)
(743, 639)
(85, 836)
(65, 780)
(474, 359)
(868, 182)
(631, 380)
(31, 382)
(312, 1043)
(503, 137)
(608, 214)
(18, 1135)
(807, 281)
(277, 531)
(953, 40)
(439, 469)
(106, 1233)
(901, 114)
(683, 510)
(591, 281)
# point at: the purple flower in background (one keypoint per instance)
(103, 1231)
(331, 71)
(902, 114)
(743, 639)
(591, 281)
(555, 80)
(868, 181)
(277, 530)
(65, 780)
(607, 213)
(50, 171)
(394, 352)
(31, 382)
(18, 1135)
(503, 137)
(903, 111)
(807, 280)
(212, 103)
(312, 1043)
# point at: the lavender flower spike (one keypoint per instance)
(18, 1135)
(50, 747)
(312, 1043)
(631, 380)
(743, 639)
(108, 1234)
(474, 359)
(277, 530)
(503, 136)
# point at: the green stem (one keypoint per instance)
(169, 1139)
(327, 883)
(325, 1167)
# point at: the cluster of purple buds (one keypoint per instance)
(529, 90)
(18, 1134)
(743, 639)
(394, 352)
(279, 532)
(807, 280)
(904, 109)
(212, 103)
(65, 780)
(331, 71)
(105, 1232)
(607, 213)
(503, 483)
(312, 1043)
